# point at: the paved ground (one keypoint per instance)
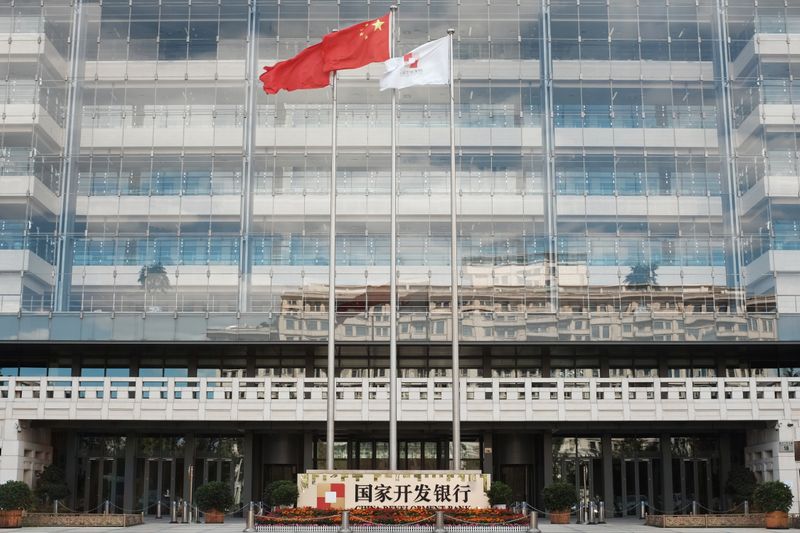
(237, 525)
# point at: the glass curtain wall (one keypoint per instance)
(763, 66)
(33, 97)
(596, 196)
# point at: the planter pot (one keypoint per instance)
(777, 520)
(560, 517)
(11, 518)
(214, 517)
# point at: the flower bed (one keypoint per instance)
(368, 516)
(706, 520)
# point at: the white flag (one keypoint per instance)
(428, 64)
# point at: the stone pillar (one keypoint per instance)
(663, 369)
(71, 467)
(547, 458)
(724, 468)
(666, 472)
(308, 452)
(604, 367)
(188, 460)
(608, 473)
(488, 454)
(247, 487)
(129, 485)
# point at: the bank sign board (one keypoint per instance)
(347, 489)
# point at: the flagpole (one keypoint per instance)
(332, 289)
(393, 262)
(456, 388)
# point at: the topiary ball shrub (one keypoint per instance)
(281, 492)
(740, 484)
(214, 496)
(499, 493)
(16, 495)
(51, 484)
(773, 496)
(560, 496)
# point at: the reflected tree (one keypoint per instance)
(642, 275)
(154, 278)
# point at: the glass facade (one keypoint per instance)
(625, 173)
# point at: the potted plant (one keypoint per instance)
(499, 495)
(558, 500)
(281, 493)
(775, 499)
(15, 497)
(214, 499)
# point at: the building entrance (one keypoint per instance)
(638, 482)
(694, 483)
(162, 480)
(102, 480)
(100, 473)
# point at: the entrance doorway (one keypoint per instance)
(103, 479)
(162, 479)
(100, 472)
(694, 483)
(518, 477)
(636, 480)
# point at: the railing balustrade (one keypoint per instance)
(419, 399)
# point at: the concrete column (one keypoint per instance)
(663, 369)
(604, 367)
(129, 487)
(71, 467)
(188, 460)
(666, 472)
(247, 487)
(308, 452)
(547, 458)
(488, 454)
(608, 473)
(724, 468)
(546, 363)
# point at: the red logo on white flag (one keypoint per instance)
(410, 60)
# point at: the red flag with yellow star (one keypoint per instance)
(356, 46)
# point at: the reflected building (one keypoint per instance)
(628, 225)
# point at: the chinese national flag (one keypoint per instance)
(303, 71)
(356, 46)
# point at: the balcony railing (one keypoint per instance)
(362, 399)
(16, 235)
(635, 116)
(21, 162)
(409, 115)
(293, 249)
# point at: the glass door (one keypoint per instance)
(103, 479)
(162, 480)
(636, 485)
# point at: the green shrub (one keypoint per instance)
(51, 484)
(214, 496)
(773, 496)
(499, 493)
(740, 484)
(16, 495)
(281, 492)
(560, 496)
